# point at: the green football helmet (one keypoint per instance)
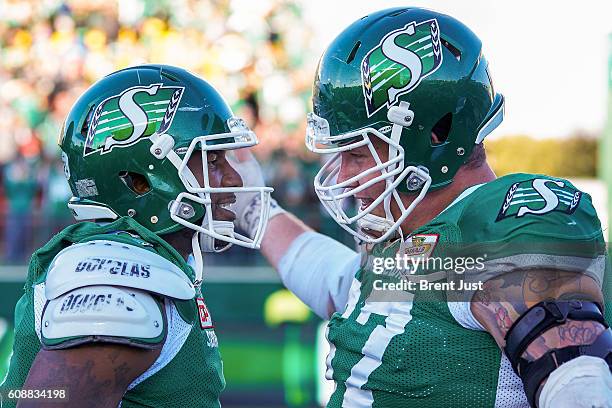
(400, 75)
(126, 143)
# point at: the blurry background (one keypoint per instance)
(554, 71)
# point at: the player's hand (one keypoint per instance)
(243, 161)
(248, 205)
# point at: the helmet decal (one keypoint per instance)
(399, 62)
(125, 119)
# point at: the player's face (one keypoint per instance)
(360, 159)
(220, 174)
(355, 162)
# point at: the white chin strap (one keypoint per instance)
(211, 244)
(371, 222)
(201, 242)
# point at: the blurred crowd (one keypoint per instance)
(257, 53)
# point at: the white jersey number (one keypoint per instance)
(397, 317)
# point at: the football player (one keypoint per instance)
(403, 100)
(112, 314)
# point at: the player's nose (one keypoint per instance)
(230, 178)
(347, 171)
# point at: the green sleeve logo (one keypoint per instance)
(398, 64)
(125, 119)
(538, 197)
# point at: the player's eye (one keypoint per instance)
(212, 159)
(356, 153)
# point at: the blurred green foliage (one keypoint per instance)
(574, 156)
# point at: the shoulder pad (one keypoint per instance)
(103, 262)
(103, 314)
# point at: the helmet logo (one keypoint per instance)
(399, 62)
(125, 119)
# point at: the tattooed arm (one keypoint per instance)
(95, 375)
(502, 300)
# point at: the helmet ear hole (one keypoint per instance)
(135, 182)
(440, 131)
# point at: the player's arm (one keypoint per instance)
(281, 232)
(283, 227)
(92, 375)
(316, 268)
(510, 308)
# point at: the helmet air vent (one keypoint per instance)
(87, 122)
(135, 182)
(453, 50)
(490, 80)
(351, 56)
(440, 131)
(397, 13)
(168, 75)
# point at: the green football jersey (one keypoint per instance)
(414, 346)
(188, 371)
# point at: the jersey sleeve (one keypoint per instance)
(534, 222)
(526, 222)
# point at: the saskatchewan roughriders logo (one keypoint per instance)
(399, 62)
(538, 197)
(125, 119)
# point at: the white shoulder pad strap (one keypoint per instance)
(103, 262)
(103, 313)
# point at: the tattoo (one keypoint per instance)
(123, 375)
(507, 297)
(580, 332)
(503, 318)
(112, 356)
(571, 333)
(542, 283)
(61, 373)
(94, 376)
(504, 299)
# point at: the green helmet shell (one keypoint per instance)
(422, 57)
(105, 140)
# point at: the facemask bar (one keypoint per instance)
(202, 195)
(392, 172)
(242, 137)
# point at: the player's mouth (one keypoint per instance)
(364, 203)
(372, 233)
(221, 208)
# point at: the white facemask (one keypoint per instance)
(212, 235)
(392, 172)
